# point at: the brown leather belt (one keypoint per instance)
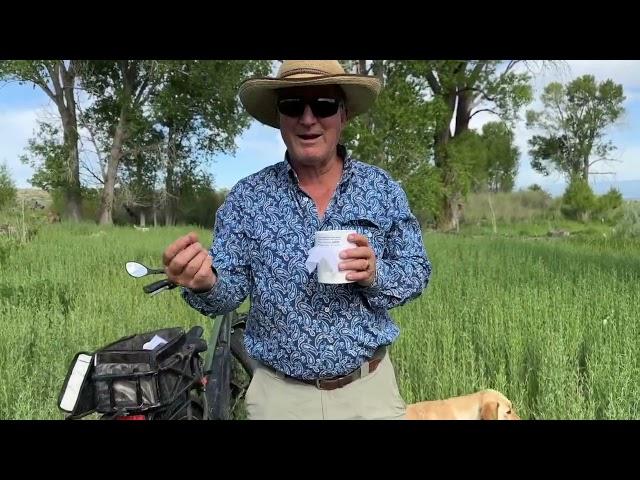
(339, 382)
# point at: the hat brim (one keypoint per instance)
(259, 95)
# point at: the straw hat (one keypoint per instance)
(259, 95)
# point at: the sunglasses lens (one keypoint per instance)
(291, 107)
(324, 107)
(321, 107)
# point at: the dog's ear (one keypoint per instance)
(489, 411)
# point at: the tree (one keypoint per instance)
(391, 134)
(421, 102)
(191, 106)
(463, 89)
(121, 90)
(573, 123)
(47, 155)
(502, 156)
(198, 115)
(578, 201)
(57, 79)
(7, 187)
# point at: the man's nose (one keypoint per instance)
(307, 117)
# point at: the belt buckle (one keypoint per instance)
(317, 382)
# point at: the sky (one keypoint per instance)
(260, 146)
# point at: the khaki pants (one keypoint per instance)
(375, 396)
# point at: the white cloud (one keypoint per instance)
(16, 127)
(626, 72)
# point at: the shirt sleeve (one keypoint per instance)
(404, 270)
(231, 261)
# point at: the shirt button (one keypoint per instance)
(326, 309)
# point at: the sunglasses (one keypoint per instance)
(321, 107)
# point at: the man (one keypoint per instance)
(322, 348)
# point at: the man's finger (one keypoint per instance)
(192, 268)
(359, 264)
(177, 246)
(205, 271)
(358, 252)
(358, 276)
(182, 259)
(358, 239)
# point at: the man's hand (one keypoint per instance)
(188, 264)
(361, 260)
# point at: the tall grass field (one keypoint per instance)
(552, 323)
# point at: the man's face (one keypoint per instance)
(311, 138)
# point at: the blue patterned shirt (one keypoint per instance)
(263, 233)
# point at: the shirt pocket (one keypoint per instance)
(372, 228)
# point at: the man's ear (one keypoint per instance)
(489, 411)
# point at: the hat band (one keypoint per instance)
(297, 71)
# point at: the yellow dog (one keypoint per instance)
(483, 405)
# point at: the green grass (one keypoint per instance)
(551, 323)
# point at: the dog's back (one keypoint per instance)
(483, 405)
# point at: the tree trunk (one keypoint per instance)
(142, 218)
(451, 211)
(169, 204)
(463, 113)
(108, 193)
(73, 198)
(448, 216)
(169, 181)
(585, 169)
(66, 103)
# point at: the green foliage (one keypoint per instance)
(395, 134)
(47, 155)
(509, 207)
(628, 225)
(578, 201)
(612, 200)
(502, 156)
(200, 203)
(467, 162)
(424, 191)
(7, 187)
(573, 122)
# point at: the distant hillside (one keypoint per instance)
(32, 195)
(630, 189)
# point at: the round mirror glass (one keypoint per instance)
(136, 269)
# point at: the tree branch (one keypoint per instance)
(604, 160)
(481, 91)
(86, 125)
(54, 74)
(88, 170)
(433, 82)
(473, 76)
(39, 80)
(483, 110)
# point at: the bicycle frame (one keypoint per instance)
(215, 393)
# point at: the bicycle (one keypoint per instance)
(161, 375)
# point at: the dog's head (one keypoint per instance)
(495, 406)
